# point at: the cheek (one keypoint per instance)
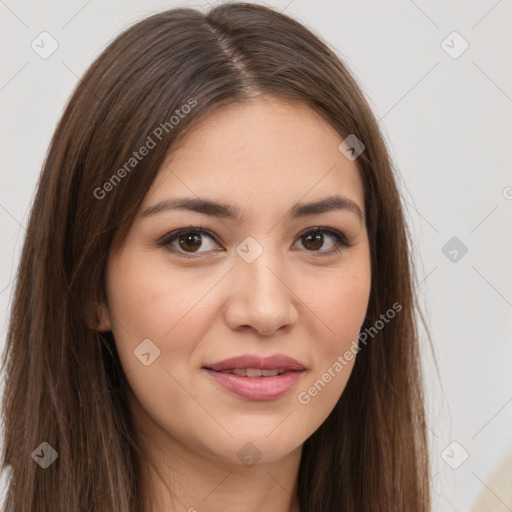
(342, 303)
(144, 304)
(174, 312)
(339, 310)
(149, 298)
(339, 307)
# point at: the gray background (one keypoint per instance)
(448, 126)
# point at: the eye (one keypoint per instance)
(187, 241)
(314, 239)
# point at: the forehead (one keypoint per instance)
(265, 150)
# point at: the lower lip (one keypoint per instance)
(257, 388)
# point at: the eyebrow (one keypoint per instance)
(231, 212)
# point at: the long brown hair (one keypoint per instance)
(64, 382)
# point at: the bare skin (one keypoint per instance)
(298, 297)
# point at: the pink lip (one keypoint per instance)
(257, 388)
(263, 363)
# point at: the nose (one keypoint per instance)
(261, 296)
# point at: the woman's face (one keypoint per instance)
(264, 288)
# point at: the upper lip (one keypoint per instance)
(279, 361)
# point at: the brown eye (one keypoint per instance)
(314, 239)
(190, 242)
(187, 242)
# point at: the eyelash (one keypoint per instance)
(341, 240)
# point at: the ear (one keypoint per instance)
(101, 318)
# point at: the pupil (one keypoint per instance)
(192, 240)
(316, 239)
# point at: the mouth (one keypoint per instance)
(256, 378)
(253, 372)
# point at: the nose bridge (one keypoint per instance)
(260, 297)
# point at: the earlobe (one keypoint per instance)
(102, 321)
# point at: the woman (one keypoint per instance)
(215, 307)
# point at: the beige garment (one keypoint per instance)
(497, 496)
